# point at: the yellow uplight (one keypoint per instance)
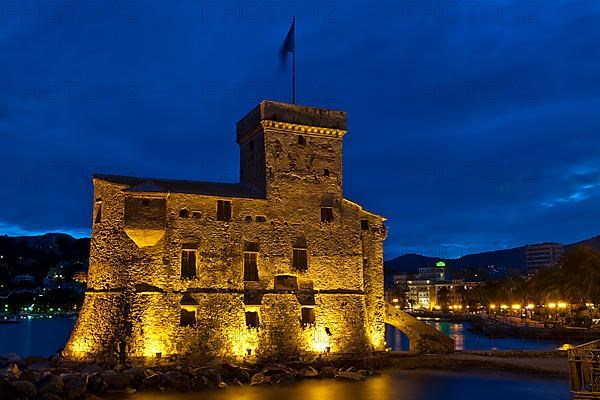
(516, 306)
(562, 305)
(530, 306)
(552, 305)
(492, 306)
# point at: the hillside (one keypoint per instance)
(37, 255)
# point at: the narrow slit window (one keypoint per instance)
(187, 317)
(250, 266)
(188, 264)
(252, 319)
(98, 212)
(326, 172)
(301, 140)
(223, 210)
(364, 224)
(326, 214)
(184, 213)
(308, 316)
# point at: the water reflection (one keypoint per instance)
(35, 337)
(466, 340)
(25, 338)
(394, 385)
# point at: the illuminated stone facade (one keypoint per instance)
(279, 265)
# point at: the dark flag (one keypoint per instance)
(289, 44)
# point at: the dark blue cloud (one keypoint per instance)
(468, 131)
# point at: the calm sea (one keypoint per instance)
(46, 336)
(395, 385)
(43, 336)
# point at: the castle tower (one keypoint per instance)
(285, 146)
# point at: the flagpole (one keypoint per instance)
(294, 63)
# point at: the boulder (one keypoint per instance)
(276, 369)
(242, 375)
(327, 372)
(138, 373)
(308, 372)
(152, 382)
(117, 379)
(23, 389)
(91, 368)
(200, 382)
(30, 376)
(283, 378)
(75, 385)
(178, 381)
(50, 384)
(213, 377)
(349, 376)
(96, 383)
(259, 379)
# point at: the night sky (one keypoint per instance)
(471, 127)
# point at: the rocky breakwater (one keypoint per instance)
(52, 379)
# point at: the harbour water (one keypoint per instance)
(44, 336)
(396, 385)
(35, 336)
(466, 340)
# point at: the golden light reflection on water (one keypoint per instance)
(392, 385)
(375, 388)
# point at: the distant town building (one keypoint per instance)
(429, 289)
(543, 255)
(437, 273)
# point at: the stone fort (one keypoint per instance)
(277, 265)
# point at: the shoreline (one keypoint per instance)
(56, 379)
